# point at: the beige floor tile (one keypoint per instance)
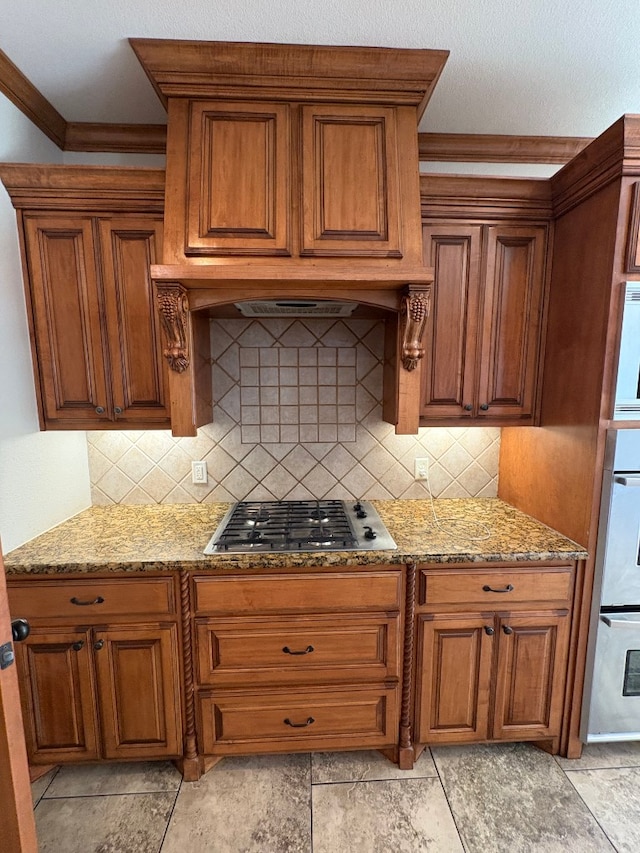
(40, 785)
(381, 817)
(365, 766)
(117, 824)
(613, 796)
(600, 755)
(514, 797)
(81, 780)
(253, 805)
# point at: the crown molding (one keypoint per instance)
(130, 138)
(30, 101)
(494, 148)
(151, 138)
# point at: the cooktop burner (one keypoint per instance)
(305, 526)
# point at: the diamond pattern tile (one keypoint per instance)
(299, 436)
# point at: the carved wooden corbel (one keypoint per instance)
(415, 307)
(173, 306)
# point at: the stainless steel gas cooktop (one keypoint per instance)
(303, 526)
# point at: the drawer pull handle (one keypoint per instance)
(98, 645)
(77, 645)
(507, 629)
(306, 651)
(508, 588)
(288, 722)
(98, 600)
(489, 631)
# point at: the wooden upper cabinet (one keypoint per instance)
(238, 179)
(89, 237)
(484, 332)
(511, 320)
(65, 306)
(350, 194)
(97, 345)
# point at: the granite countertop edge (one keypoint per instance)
(166, 538)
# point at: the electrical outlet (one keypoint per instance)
(199, 473)
(421, 468)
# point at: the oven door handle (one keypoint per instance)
(612, 622)
(626, 480)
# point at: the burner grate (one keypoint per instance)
(287, 526)
(302, 526)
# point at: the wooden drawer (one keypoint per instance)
(93, 599)
(281, 593)
(298, 650)
(501, 588)
(235, 722)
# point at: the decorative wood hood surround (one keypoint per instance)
(292, 172)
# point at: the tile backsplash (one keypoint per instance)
(297, 415)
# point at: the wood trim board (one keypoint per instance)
(151, 138)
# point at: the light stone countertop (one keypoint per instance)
(173, 536)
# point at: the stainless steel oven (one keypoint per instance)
(612, 697)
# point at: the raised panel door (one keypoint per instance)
(138, 686)
(453, 250)
(350, 204)
(511, 319)
(138, 371)
(453, 682)
(530, 678)
(57, 696)
(238, 179)
(66, 316)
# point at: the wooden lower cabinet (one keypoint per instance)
(313, 661)
(496, 678)
(492, 675)
(107, 690)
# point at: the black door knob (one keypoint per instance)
(20, 630)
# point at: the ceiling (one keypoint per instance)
(538, 67)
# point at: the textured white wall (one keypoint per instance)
(44, 476)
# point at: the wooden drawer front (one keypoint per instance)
(97, 599)
(305, 592)
(520, 587)
(241, 721)
(247, 651)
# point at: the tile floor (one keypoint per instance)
(478, 799)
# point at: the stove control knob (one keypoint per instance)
(359, 511)
(369, 534)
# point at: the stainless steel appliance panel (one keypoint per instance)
(627, 401)
(614, 712)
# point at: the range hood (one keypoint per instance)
(292, 174)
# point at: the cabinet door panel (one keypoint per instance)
(531, 675)
(57, 696)
(66, 317)
(238, 178)
(138, 370)
(138, 685)
(449, 369)
(350, 181)
(454, 668)
(511, 321)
